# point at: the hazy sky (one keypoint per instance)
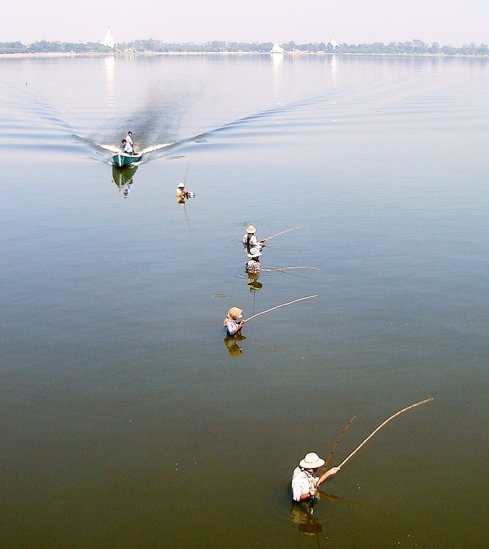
(454, 22)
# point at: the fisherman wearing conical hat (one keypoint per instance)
(250, 241)
(234, 321)
(304, 480)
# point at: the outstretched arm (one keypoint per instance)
(328, 474)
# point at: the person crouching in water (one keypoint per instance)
(304, 480)
(234, 321)
(250, 241)
(253, 264)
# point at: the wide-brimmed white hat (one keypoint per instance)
(251, 229)
(254, 252)
(181, 185)
(311, 461)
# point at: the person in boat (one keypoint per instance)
(126, 147)
(305, 483)
(250, 241)
(234, 321)
(253, 266)
(130, 140)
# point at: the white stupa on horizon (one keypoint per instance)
(334, 43)
(109, 39)
(277, 49)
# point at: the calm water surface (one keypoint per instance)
(126, 420)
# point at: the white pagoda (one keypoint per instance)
(277, 49)
(109, 39)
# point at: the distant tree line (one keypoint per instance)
(416, 47)
(53, 47)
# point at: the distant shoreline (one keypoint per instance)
(54, 55)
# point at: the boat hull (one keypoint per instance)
(121, 160)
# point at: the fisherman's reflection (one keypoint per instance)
(253, 282)
(253, 269)
(232, 346)
(302, 514)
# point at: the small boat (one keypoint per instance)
(123, 159)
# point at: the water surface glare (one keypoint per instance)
(127, 419)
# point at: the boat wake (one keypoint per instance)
(155, 125)
(154, 148)
(145, 151)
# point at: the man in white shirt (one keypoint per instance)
(126, 147)
(250, 241)
(304, 480)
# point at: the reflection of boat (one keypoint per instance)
(123, 159)
(123, 176)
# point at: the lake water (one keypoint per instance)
(127, 420)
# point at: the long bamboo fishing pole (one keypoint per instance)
(284, 269)
(340, 436)
(281, 305)
(283, 232)
(294, 268)
(382, 425)
(186, 171)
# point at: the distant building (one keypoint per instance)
(334, 43)
(277, 49)
(109, 39)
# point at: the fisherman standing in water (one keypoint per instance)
(250, 241)
(183, 194)
(234, 321)
(304, 482)
(253, 266)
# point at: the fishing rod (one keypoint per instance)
(340, 436)
(281, 269)
(187, 170)
(282, 232)
(382, 425)
(281, 305)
